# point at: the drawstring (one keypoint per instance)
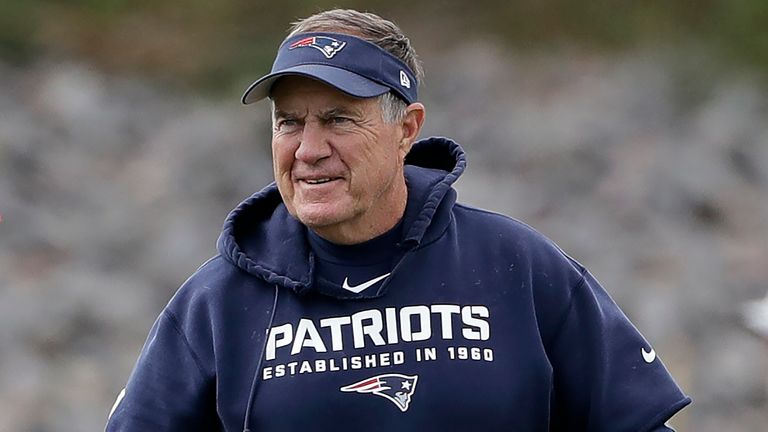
(255, 382)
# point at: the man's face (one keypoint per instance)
(338, 165)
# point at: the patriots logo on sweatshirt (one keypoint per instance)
(396, 388)
(327, 45)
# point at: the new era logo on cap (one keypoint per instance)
(327, 45)
(404, 80)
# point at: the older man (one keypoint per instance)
(356, 293)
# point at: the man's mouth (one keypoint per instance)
(318, 181)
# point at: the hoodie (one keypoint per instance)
(471, 321)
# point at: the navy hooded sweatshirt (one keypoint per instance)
(470, 321)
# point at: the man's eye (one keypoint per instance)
(286, 123)
(340, 120)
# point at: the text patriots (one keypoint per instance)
(374, 327)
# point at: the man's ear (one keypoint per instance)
(411, 124)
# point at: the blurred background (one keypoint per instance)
(632, 133)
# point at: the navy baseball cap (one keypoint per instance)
(355, 66)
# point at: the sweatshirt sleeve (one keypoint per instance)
(606, 376)
(168, 389)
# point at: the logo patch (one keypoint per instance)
(649, 356)
(404, 80)
(359, 288)
(396, 388)
(326, 45)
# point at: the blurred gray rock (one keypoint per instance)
(113, 191)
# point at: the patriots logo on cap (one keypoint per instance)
(397, 388)
(327, 45)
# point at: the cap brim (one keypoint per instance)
(344, 80)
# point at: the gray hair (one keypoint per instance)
(393, 109)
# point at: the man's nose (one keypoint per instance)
(313, 145)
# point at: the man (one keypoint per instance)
(356, 293)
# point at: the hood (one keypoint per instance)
(261, 238)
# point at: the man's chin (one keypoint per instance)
(318, 218)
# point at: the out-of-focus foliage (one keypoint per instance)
(210, 44)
